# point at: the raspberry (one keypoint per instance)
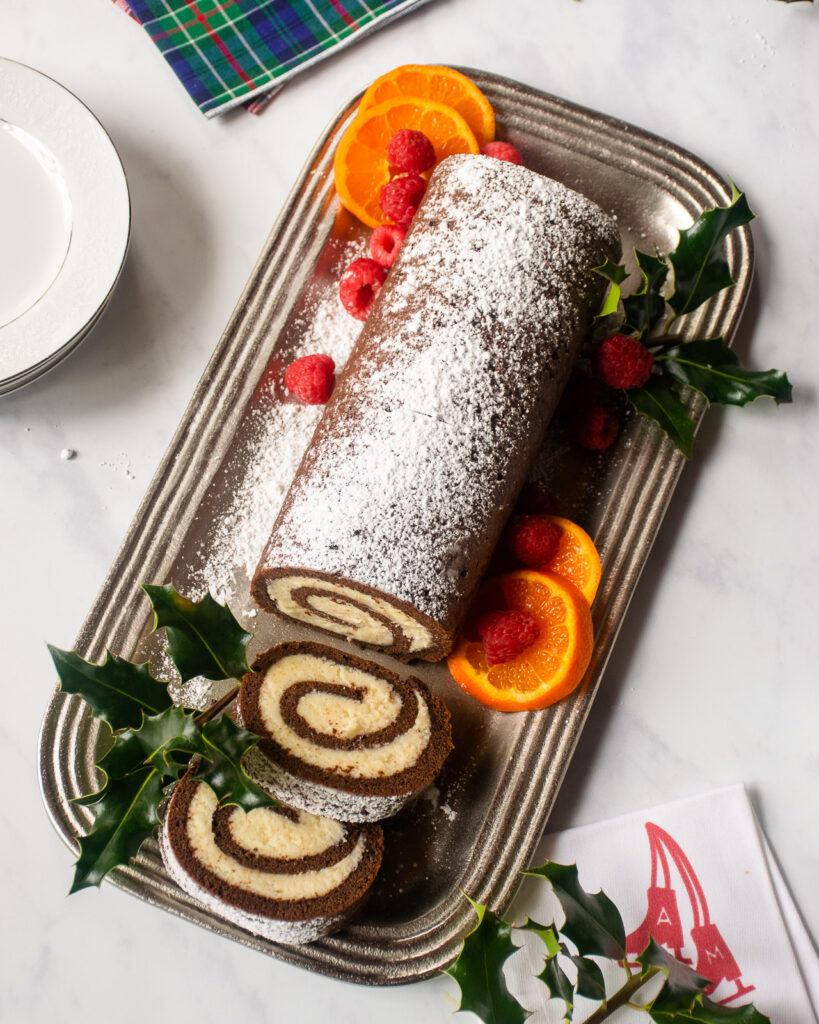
(533, 540)
(311, 378)
(506, 634)
(359, 286)
(411, 152)
(385, 243)
(595, 426)
(400, 197)
(622, 362)
(502, 151)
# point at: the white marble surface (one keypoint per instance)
(714, 677)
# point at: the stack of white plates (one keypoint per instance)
(65, 221)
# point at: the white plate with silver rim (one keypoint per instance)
(65, 222)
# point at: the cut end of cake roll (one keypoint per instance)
(341, 736)
(283, 874)
(356, 613)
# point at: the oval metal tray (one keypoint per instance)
(499, 786)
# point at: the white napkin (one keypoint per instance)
(699, 876)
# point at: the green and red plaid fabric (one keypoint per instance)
(225, 53)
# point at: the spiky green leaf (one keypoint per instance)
(204, 638)
(659, 402)
(682, 998)
(706, 1012)
(547, 933)
(125, 817)
(711, 368)
(118, 691)
(615, 273)
(682, 984)
(644, 309)
(557, 982)
(700, 268)
(222, 745)
(593, 923)
(478, 971)
(164, 741)
(590, 981)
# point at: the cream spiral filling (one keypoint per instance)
(329, 715)
(265, 833)
(348, 612)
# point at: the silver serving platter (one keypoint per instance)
(500, 783)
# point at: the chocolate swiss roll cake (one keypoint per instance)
(286, 875)
(427, 439)
(341, 736)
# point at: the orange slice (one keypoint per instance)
(577, 559)
(361, 166)
(443, 85)
(547, 670)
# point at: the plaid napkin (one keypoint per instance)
(228, 52)
(699, 877)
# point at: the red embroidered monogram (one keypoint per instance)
(663, 922)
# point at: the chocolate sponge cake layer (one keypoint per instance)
(427, 439)
(281, 873)
(341, 736)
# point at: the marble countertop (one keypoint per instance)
(712, 680)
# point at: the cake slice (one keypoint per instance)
(341, 736)
(286, 875)
(423, 448)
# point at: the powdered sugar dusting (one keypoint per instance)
(424, 447)
(277, 430)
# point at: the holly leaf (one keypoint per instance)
(555, 979)
(154, 744)
(700, 269)
(658, 402)
(478, 971)
(222, 745)
(711, 368)
(682, 998)
(118, 691)
(593, 923)
(615, 273)
(644, 309)
(590, 980)
(204, 638)
(705, 1012)
(682, 984)
(547, 933)
(126, 816)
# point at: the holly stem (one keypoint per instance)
(662, 342)
(622, 996)
(214, 709)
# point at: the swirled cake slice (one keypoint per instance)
(341, 736)
(284, 874)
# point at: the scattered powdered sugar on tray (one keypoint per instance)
(331, 330)
(414, 468)
(276, 430)
(279, 433)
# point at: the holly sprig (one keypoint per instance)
(593, 930)
(699, 271)
(152, 742)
